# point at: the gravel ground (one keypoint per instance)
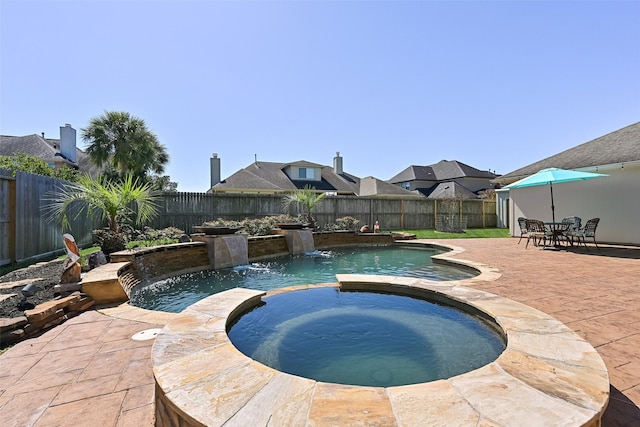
(44, 275)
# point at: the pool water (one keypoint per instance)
(364, 338)
(177, 293)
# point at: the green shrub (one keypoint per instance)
(220, 222)
(346, 223)
(109, 241)
(151, 237)
(256, 226)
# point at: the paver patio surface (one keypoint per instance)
(89, 372)
(596, 293)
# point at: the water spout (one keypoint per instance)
(306, 237)
(237, 249)
(300, 241)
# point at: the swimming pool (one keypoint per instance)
(174, 294)
(364, 338)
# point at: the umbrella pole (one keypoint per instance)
(553, 208)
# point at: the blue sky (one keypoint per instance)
(388, 84)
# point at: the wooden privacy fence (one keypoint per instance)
(26, 235)
(24, 232)
(185, 210)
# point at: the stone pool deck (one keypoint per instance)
(88, 371)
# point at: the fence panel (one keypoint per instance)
(7, 224)
(418, 213)
(28, 235)
(185, 210)
(36, 237)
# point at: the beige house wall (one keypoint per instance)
(614, 199)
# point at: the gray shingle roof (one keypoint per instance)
(45, 148)
(451, 190)
(371, 186)
(453, 169)
(444, 170)
(271, 176)
(616, 147)
(414, 173)
(33, 145)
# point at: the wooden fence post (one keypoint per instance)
(435, 213)
(12, 220)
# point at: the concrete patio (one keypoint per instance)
(88, 371)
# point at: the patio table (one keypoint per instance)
(557, 230)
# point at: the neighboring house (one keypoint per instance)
(272, 177)
(614, 199)
(445, 179)
(56, 153)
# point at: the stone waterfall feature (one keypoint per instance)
(299, 241)
(226, 251)
(237, 249)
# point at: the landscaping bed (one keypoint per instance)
(44, 275)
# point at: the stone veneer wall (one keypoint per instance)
(343, 238)
(168, 414)
(261, 247)
(160, 261)
(169, 260)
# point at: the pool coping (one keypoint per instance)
(547, 375)
(545, 363)
(127, 311)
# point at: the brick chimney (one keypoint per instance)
(68, 142)
(337, 164)
(215, 169)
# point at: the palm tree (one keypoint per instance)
(308, 198)
(113, 201)
(124, 142)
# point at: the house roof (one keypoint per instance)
(371, 186)
(616, 147)
(271, 176)
(47, 149)
(444, 170)
(33, 145)
(451, 190)
(453, 169)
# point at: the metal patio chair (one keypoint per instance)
(573, 224)
(522, 222)
(588, 232)
(537, 231)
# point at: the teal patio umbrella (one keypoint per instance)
(551, 176)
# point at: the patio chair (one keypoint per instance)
(573, 223)
(537, 231)
(522, 222)
(589, 231)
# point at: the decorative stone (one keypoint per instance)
(41, 312)
(44, 322)
(71, 272)
(4, 297)
(11, 337)
(84, 303)
(66, 287)
(96, 259)
(12, 323)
